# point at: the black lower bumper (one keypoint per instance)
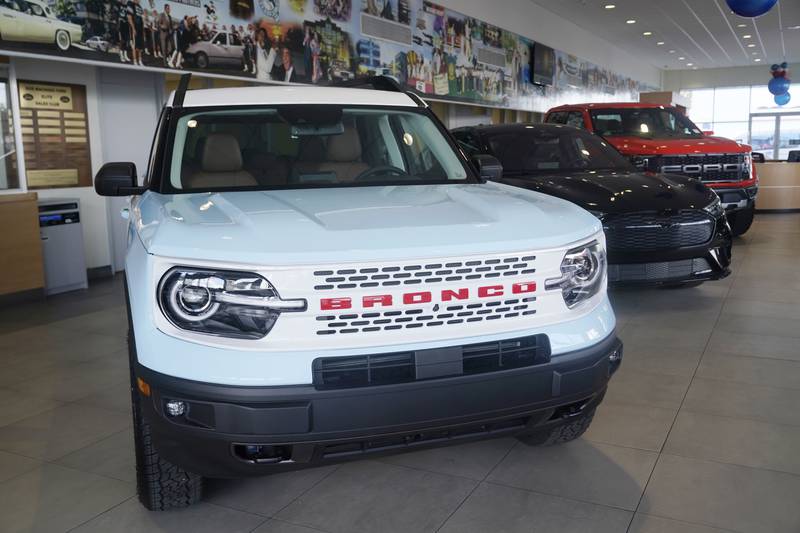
(231, 431)
(709, 261)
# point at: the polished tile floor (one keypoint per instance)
(699, 433)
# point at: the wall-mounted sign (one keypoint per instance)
(55, 135)
(40, 96)
(429, 48)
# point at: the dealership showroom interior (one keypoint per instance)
(367, 266)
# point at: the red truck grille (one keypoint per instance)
(706, 167)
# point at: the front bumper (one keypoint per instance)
(297, 426)
(735, 199)
(706, 262)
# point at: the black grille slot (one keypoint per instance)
(401, 367)
(650, 231)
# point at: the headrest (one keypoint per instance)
(345, 147)
(221, 153)
(312, 149)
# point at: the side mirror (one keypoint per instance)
(759, 158)
(117, 179)
(489, 167)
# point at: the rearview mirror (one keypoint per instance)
(489, 167)
(117, 179)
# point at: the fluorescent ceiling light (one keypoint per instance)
(660, 43)
(751, 45)
(689, 64)
(748, 36)
(681, 58)
(609, 6)
(647, 33)
(630, 21)
(741, 25)
(757, 60)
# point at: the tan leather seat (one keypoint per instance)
(342, 157)
(220, 165)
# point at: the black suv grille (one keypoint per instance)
(402, 367)
(707, 167)
(650, 231)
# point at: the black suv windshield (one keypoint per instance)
(290, 146)
(653, 122)
(535, 150)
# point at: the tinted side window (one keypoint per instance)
(559, 117)
(468, 141)
(575, 119)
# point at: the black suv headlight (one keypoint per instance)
(583, 272)
(715, 208)
(224, 303)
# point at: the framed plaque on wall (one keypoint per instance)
(55, 135)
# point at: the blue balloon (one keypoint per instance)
(778, 86)
(751, 8)
(783, 99)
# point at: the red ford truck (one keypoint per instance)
(662, 139)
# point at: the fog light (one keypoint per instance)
(175, 408)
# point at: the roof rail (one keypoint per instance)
(180, 91)
(380, 83)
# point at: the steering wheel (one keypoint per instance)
(382, 169)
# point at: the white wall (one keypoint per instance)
(675, 80)
(537, 23)
(93, 207)
(94, 213)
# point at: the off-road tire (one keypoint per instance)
(560, 434)
(160, 484)
(742, 220)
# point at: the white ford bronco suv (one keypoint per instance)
(317, 274)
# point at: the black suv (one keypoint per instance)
(660, 228)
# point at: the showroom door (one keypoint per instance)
(129, 107)
(775, 134)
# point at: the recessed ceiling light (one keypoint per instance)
(741, 25)
(630, 21)
(755, 53)
(748, 36)
(647, 33)
(751, 45)
(609, 6)
(660, 43)
(672, 51)
(757, 60)
(689, 64)
(793, 27)
(681, 58)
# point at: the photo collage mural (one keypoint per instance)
(436, 51)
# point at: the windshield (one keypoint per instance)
(553, 149)
(310, 146)
(637, 122)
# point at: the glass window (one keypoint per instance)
(575, 119)
(220, 39)
(553, 149)
(36, 9)
(762, 101)
(737, 131)
(235, 41)
(559, 117)
(9, 178)
(790, 137)
(762, 136)
(656, 122)
(731, 104)
(701, 105)
(295, 146)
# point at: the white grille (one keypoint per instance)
(435, 316)
(427, 273)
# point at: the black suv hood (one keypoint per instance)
(618, 192)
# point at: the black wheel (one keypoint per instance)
(63, 40)
(560, 434)
(741, 220)
(160, 484)
(201, 60)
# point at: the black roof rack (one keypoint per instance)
(180, 91)
(379, 83)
